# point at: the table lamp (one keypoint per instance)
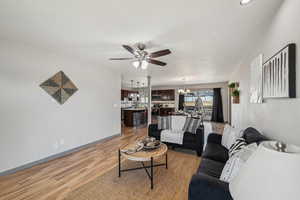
(271, 173)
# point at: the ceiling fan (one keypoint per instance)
(143, 58)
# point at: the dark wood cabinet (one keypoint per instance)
(135, 117)
(163, 95)
(123, 94)
(127, 93)
(166, 111)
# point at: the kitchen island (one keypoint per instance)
(134, 116)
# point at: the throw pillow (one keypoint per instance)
(247, 151)
(226, 134)
(164, 122)
(252, 135)
(237, 146)
(231, 168)
(234, 163)
(191, 125)
(186, 123)
(230, 135)
(235, 134)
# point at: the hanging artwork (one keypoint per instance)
(279, 74)
(60, 87)
(256, 81)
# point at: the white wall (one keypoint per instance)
(277, 118)
(222, 85)
(32, 124)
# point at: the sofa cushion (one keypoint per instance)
(189, 137)
(215, 152)
(206, 187)
(164, 122)
(214, 138)
(252, 135)
(211, 167)
(191, 124)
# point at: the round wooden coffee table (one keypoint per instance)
(144, 156)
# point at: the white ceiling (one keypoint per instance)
(208, 38)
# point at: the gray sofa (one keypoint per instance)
(190, 140)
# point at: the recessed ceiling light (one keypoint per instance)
(245, 2)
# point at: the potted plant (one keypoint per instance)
(231, 87)
(235, 96)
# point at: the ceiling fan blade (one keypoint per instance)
(121, 58)
(156, 62)
(160, 53)
(130, 49)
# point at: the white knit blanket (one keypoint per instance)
(172, 136)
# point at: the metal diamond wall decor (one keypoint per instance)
(60, 87)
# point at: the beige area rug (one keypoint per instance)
(169, 184)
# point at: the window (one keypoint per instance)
(206, 96)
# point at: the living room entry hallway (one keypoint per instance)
(91, 173)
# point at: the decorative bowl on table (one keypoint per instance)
(149, 143)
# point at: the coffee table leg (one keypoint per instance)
(166, 160)
(151, 173)
(119, 162)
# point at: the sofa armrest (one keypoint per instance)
(214, 138)
(206, 187)
(200, 140)
(151, 129)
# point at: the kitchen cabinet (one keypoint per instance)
(127, 93)
(166, 111)
(135, 117)
(163, 95)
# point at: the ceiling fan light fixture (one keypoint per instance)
(144, 64)
(136, 64)
(245, 2)
(142, 58)
(140, 64)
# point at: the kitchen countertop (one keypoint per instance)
(134, 109)
(163, 102)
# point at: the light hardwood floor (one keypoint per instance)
(56, 178)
